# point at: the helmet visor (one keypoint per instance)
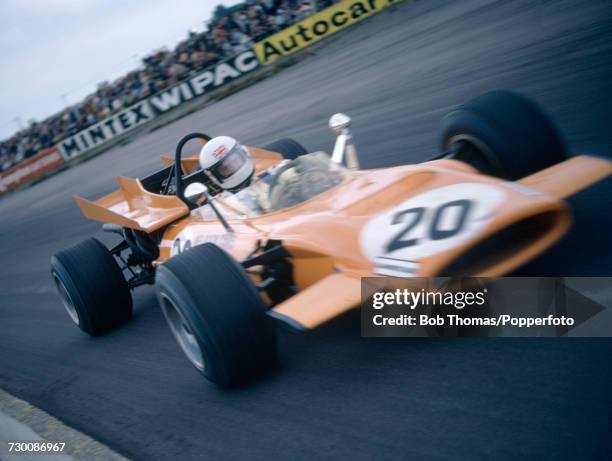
(229, 164)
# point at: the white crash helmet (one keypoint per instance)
(227, 162)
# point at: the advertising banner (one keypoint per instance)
(107, 129)
(30, 169)
(212, 78)
(316, 27)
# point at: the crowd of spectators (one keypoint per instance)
(229, 32)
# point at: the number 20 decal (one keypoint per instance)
(429, 223)
(413, 217)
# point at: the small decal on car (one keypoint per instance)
(187, 239)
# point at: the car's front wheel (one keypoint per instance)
(92, 287)
(502, 134)
(216, 315)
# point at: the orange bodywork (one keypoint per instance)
(334, 238)
(136, 208)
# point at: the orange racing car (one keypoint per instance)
(224, 268)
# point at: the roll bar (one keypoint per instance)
(176, 167)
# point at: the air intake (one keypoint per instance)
(511, 246)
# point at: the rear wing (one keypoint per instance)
(569, 177)
(134, 207)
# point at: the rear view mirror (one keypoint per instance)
(339, 122)
(344, 150)
(195, 193)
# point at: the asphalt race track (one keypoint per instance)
(339, 396)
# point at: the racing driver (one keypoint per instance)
(229, 165)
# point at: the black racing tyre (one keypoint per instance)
(503, 134)
(92, 287)
(289, 148)
(216, 315)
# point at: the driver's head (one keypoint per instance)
(227, 163)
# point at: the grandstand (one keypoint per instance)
(229, 32)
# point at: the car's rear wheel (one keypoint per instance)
(289, 148)
(216, 315)
(503, 134)
(91, 284)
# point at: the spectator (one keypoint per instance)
(233, 32)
